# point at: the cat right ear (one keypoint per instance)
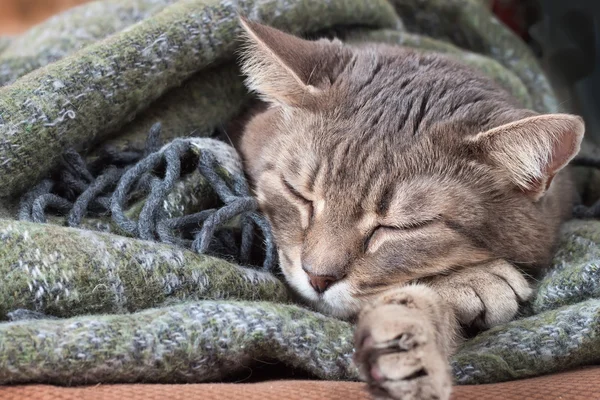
(285, 69)
(533, 150)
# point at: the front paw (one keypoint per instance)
(486, 295)
(397, 354)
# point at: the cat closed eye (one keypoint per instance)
(378, 234)
(298, 196)
(292, 190)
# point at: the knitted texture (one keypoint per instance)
(128, 261)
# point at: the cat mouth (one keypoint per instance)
(337, 301)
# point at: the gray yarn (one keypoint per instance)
(165, 227)
(80, 207)
(247, 239)
(73, 161)
(77, 180)
(207, 165)
(271, 249)
(153, 140)
(74, 183)
(38, 211)
(240, 201)
(109, 154)
(130, 174)
(218, 218)
(160, 189)
(26, 205)
(120, 195)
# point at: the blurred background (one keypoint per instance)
(564, 34)
(17, 15)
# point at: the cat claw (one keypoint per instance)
(400, 343)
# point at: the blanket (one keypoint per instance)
(131, 248)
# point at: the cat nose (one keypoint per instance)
(321, 282)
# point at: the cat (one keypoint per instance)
(406, 192)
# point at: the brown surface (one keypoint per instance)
(578, 385)
(18, 15)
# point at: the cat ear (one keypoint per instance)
(534, 149)
(286, 69)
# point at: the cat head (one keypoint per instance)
(379, 166)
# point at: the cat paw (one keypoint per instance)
(398, 357)
(484, 296)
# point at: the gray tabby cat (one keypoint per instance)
(404, 189)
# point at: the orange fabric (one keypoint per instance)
(18, 15)
(577, 385)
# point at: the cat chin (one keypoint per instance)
(337, 301)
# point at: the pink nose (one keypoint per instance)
(321, 282)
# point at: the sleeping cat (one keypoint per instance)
(405, 190)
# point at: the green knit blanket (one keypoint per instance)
(130, 296)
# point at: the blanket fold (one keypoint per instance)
(159, 278)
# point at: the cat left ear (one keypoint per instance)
(285, 69)
(534, 149)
